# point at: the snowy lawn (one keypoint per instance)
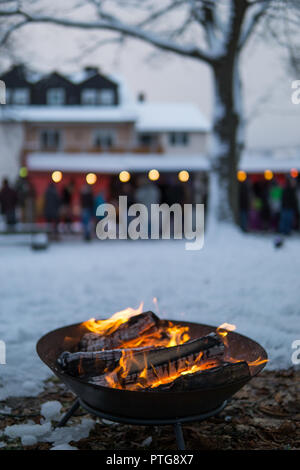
(235, 278)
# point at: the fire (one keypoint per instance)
(223, 329)
(107, 327)
(168, 335)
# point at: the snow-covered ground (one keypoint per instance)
(235, 278)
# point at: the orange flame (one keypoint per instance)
(168, 335)
(107, 327)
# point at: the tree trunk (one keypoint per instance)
(227, 141)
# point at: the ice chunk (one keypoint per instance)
(51, 410)
(28, 440)
(20, 430)
(71, 433)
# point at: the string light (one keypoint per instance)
(153, 175)
(124, 176)
(241, 176)
(268, 174)
(91, 178)
(183, 176)
(294, 173)
(57, 176)
(23, 172)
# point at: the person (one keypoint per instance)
(87, 210)
(244, 204)
(275, 196)
(147, 193)
(51, 206)
(265, 212)
(67, 197)
(289, 208)
(8, 201)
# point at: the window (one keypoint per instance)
(179, 138)
(50, 139)
(146, 140)
(56, 96)
(104, 138)
(106, 97)
(7, 95)
(92, 97)
(89, 97)
(20, 96)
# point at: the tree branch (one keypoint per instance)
(113, 24)
(259, 10)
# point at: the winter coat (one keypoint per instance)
(52, 203)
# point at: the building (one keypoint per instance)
(86, 123)
(86, 127)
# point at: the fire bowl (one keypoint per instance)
(149, 404)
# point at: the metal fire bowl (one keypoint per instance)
(143, 404)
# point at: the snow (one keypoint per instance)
(114, 163)
(31, 433)
(107, 163)
(251, 161)
(28, 429)
(235, 278)
(94, 114)
(171, 117)
(148, 117)
(28, 440)
(51, 410)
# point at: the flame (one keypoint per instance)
(107, 327)
(257, 362)
(155, 301)
(168, 335)
(223, 329)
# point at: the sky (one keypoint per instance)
(272, 119)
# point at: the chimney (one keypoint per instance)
(90, 69)
(141, 97)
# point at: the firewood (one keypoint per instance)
(210, 346)
(90, 363)
(225, 373)
(166, 362)
(133, 328)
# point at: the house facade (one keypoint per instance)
(87, 123)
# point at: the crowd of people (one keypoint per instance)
(19, 203)
(263, 205)
(270, 206)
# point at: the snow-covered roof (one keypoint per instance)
(114, 163)
(260, 163)
(81, 75)
(166, 117)
(79, 114)
(148, 117)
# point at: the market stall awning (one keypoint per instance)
(114, 163)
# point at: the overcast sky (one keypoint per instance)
(166, 77)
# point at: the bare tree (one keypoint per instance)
(211, 31)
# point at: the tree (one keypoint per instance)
(212, 31)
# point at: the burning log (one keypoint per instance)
(133, 328)
(225, 373)
(93, 363)
(208, 347)
(155, 364)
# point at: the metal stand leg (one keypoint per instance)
(69, 413)
(179, 436)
